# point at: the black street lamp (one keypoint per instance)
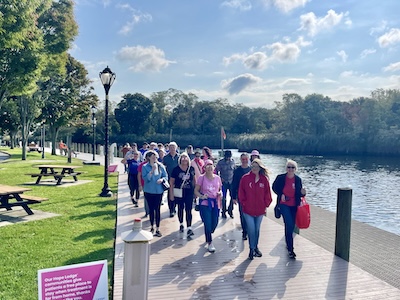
(107, 78)
(93, 109)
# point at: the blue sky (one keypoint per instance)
(248, 51)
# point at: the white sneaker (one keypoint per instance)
(211, 248)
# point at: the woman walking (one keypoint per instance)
(153, 174)
(133, 182)
(255, 197)
(289, 189)
(182, 177)
(208, 189)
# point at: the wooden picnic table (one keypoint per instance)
(57, 171)
(11, 196)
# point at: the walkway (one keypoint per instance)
(183, 269)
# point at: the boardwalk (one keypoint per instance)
(183, 269)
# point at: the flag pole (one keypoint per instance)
(222, 139)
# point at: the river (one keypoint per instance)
(375, 183)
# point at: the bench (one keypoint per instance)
(33, 199)
(37, 174)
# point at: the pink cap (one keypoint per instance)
(208, 162)
(255, 152)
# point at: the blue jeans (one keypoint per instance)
(209, 216)
(253, 229)
(289, 218)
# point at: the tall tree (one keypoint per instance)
(133, 113)
(21, 46)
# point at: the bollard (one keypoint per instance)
(136, 262)
(343, 223)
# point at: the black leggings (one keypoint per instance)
(154, 202)
(185, 203)
(134, 186)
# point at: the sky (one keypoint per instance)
(247, 51)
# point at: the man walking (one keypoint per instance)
(237, 175)
(171, 161)
(224, 169)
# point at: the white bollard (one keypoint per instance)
(136, 262)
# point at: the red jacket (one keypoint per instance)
(254, 197)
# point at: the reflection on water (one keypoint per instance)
(375, 182)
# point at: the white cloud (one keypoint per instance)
(285, 5)
(389, 38)
(136, 17)
(295, 82)
(237, 84)
(342, 54)
(392, 67)
(367, 52)
(257, 60)
(280, 51)
(380, 28)
(189, 75)
(144, 58)
(347, 74)
(233, 58)
(313, 25)
(242, 5)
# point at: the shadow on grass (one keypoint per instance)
(108, 214)
(98, 236)
(104, 203)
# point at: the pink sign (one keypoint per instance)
(86, 281)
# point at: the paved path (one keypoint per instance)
(183, 269)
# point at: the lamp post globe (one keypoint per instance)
(93, 109)
(107, 78)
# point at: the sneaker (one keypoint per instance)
(292, 255)
(223, 215)
(251, 254)
(145, 216)
(244, 237)
(152, 230)
(257, 253)
(134, 201)
(158, 233)
(190, 232)
(230, 214)
(211, 248)
(181, 228)
(136, 205)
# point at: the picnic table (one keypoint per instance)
(11, 196)
(57, 171)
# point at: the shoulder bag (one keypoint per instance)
(178, 192)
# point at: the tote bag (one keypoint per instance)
(303, 217)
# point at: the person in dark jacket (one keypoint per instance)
(255, 197)
(133, 182)
(289, 189)
(237, 175)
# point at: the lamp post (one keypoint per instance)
(93, 109)
(107, 78)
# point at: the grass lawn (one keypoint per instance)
(84, 231)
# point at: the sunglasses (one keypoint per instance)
(290, 167)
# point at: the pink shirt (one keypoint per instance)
(210, 187)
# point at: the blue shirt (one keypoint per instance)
(150, 180)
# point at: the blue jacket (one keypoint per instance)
(150, 180)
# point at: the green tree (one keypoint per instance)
(133, 114)
(10, 119)
(21, 46)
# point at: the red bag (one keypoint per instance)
(303, 217)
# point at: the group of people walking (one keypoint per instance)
(194, 177)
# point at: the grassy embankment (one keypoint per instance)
(84, 231)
